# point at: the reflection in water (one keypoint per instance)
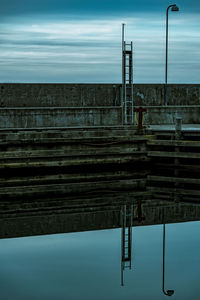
(127, 218)
(71, 265)
(168, 292)
(126, 239)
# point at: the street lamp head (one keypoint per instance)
(174, 8)
(170, 292)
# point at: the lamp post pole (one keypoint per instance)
(173, 7)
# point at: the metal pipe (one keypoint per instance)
(173, 7)
(123, 25)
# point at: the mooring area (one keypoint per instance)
(62, 144)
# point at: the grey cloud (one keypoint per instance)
(41, 57)
(89, 7)
(55, 43)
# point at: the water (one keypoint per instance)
(87, 265)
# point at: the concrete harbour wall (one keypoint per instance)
(59, 117)
(39, 223)
(71, 105)
(164, 115)
(59, 95)
(70, 95)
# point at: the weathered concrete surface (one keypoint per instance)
(37, 163)
(60, 95)
(103, 213)
(73, 95)
(77, 163)
(68, 105)
(178, 94)
(92, 116)
(175, 161)
(185, 127)
(60, 117)
(161, 115)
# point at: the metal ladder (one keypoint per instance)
(127, 82)
(126, 239)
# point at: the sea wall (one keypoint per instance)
(84, 95)
(71, 105)
(167, 115)
(59, 117)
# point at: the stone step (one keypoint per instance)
(173, 190)
(173, 179)
(72, 178)
(67, 133)
(71, 152)
(167, 166)
(68, 161)
(71, 203)
(95, 141)
(71, 188)
(185, 155)
(174, 143)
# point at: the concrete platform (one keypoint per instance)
(185, 127)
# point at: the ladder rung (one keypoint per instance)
(127, 259)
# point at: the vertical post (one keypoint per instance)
(173, 7)
(123, 73)
(123, 25)
(132, 104)
(178, 128)
(124, 87)
(166, 58)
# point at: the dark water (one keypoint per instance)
(87, 265)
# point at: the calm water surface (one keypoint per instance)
(87, 265)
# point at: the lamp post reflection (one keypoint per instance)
(168, 292)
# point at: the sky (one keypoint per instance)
(79, 41)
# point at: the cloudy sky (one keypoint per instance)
(80, 40)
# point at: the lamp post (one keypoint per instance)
(168, 292)
(173, 7)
